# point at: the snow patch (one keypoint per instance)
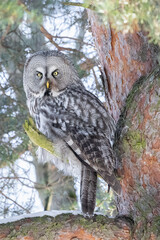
(52, 213)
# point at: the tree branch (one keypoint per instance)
(67, 226)
(15, 202)
(89, 6)
(50, 38)
(72, 38)
(73, 4)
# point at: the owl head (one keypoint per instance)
(48, 71)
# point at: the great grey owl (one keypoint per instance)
(77, 123)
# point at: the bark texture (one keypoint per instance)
(123, 60)
(138, 147)
(66, 227)
(134, 101)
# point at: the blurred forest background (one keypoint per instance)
(27, 26)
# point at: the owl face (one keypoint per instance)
(48, 71)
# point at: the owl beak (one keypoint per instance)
(47, 84)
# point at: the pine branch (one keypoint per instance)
(88, 6)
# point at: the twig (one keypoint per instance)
(73, 4)
(14, 202)
(50, 37)
(72, 38)
(79, 5)
(6, 32)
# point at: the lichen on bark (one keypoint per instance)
(138, 147)
(65, 227)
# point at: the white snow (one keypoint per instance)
(52, 213)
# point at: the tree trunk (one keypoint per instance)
(138, 147)
(124, 60)
(55, 184)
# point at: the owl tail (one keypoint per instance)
(88, 190)
(112, 181)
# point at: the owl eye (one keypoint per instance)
(55, 73)
(39, 75)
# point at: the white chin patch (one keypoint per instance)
(41, 93)
(56, 93)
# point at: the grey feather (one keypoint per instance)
(74, 120)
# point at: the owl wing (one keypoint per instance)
(93, 149)
(86, 128)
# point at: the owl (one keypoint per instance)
(81, 129)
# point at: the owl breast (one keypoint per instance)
(46, 118)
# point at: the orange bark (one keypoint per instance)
(66, 227)
(123, 58)
(79, 233)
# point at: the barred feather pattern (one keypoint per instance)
(80, 120)
(82, 132)
(88, 190)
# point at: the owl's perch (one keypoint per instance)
(37, 137)
(66, 227)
